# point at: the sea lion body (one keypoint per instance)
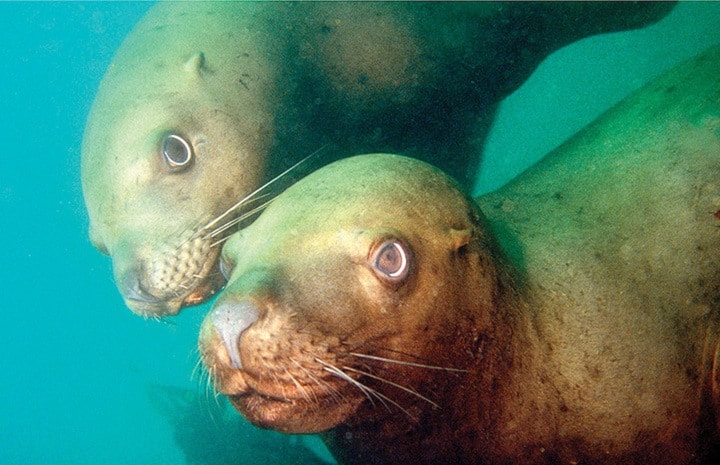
(575, 321)
(206, 100)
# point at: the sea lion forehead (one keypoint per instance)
(378, 187)
(355, 202)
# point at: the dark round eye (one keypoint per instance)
(177, 152)
(390, 260)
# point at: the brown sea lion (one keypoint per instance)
(206, 100)
(571, 317)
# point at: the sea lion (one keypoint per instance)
(569, 317)
(206, 100)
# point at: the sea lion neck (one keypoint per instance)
(510, 370)
(501, 368)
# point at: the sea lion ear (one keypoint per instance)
(460, 237)
(195, 64)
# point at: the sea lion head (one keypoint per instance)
(166, 151)
(367, 284)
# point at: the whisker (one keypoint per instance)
(383, 399)
(210, 385)
(401, 362)
(368, 391)
(342, 375)
(330, 389)
(259, 189)
(399, 386)
(220, 241)
(280, 385)
(203, 383)
(240, 218)
(207, 375)
(197, 370)
(237, 220)
(300, 387)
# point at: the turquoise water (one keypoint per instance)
(84, 380)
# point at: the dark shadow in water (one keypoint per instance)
(210, 432)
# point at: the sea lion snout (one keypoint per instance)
(230, 320)
(160, 284)
(136, 290)
(132, 289)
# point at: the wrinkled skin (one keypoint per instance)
(246, 89)
(576, 322)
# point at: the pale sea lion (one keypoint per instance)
(205, 100)
(575, 321)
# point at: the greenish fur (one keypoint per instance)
(583, 306)
(255, 86)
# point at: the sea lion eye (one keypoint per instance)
(177, 152)
(390, 260)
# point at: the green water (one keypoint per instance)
(86, 382)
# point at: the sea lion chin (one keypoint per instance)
(576, 322)
(207, 100)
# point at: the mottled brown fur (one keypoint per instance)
(577, 322)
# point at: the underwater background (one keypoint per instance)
(83, 380)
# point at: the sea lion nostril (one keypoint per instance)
(230, 320)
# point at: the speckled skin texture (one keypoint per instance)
(579, 302)
(255, 86)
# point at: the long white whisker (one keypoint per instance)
(220, 241)
(258, 190)
(207, 375)
(368, 391)
(333, 392)
(400, 362)
(297, 384)
(384, 398)
(399, 386)
(280, 385)
(196, 370)
(342, 375)
(237, 220)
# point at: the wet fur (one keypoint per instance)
(577, 322)
(254, 86)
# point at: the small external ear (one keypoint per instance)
(195, 64)
(460, 237)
